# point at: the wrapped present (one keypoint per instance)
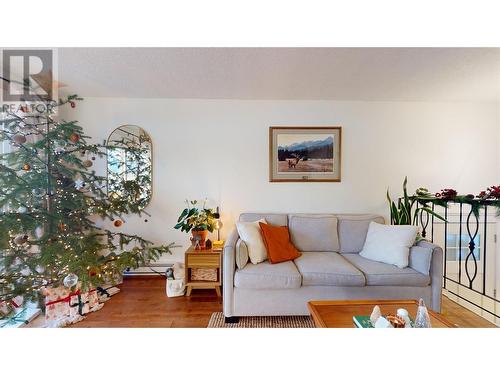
(19, 317)
(84, 303)
(104, 293)
(63, 306)
(57, 306)
(5, 309)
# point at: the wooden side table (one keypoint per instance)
(208, 259)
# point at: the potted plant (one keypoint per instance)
(199, 221)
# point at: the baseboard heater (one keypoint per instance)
(153, 269)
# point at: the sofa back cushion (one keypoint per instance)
(272, 219)
(314, 232)
(353, 229)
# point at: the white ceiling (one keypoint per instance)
(407, 74)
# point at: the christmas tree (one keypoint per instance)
(51, 201)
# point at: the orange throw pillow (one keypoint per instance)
(278, 245)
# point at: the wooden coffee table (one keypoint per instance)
(338, 314)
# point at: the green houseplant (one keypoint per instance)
(403, 211)
(199, 221)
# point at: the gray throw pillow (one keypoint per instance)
(241, 254)
(420, 259)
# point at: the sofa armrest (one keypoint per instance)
(228, 268)
(436, 273)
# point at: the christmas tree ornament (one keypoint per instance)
(21, 239)
(74, 137)
(40, 269)
(61, 226)
(39, 232)
(73, 104)
(93, 157)
(79, 184)
(70, 280)
(19, 139)
(22, 210)
(26, 167)
(37, 192)
(118, 223)
(87, 163)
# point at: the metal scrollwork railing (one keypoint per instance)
(464, 238)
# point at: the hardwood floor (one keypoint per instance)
(142, 302)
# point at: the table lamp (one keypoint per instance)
(217, 226)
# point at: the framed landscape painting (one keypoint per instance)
(304, 154)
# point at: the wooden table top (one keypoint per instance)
(213, 250)
(338, 314)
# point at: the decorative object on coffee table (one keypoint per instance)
(203, 270)
(304, 154)
(199, 221)
(339, 314)
(422, 320)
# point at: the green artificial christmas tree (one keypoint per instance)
(50, 202)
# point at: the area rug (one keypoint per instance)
(217, 321)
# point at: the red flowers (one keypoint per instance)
(493, 192)
(447, 194)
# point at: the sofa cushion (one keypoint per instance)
(273, 219)
(353, 229)
(278, 245)
(389, 243)
(250, 233)
(420, 259)
(241, 254)
(314, 232)
(268, 276)
(377, 273)
(328, 268)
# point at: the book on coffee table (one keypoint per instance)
(362, 321)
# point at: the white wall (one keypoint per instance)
(219, 149)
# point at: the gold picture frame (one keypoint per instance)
(305, 153)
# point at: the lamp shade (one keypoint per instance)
(217, 224)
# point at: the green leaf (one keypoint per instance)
(183, 215)
(427, 209)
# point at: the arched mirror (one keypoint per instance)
(130, 168)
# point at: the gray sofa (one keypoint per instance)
(330, 268)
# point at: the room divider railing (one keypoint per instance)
(468, 238)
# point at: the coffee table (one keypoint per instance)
(338, 314)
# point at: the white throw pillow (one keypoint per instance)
(389, 243)
(251, 234)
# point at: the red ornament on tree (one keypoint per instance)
(74, 137)
(73, 104)
(118, 223)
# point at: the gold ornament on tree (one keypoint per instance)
(87, 163)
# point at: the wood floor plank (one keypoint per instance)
(143, 302)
